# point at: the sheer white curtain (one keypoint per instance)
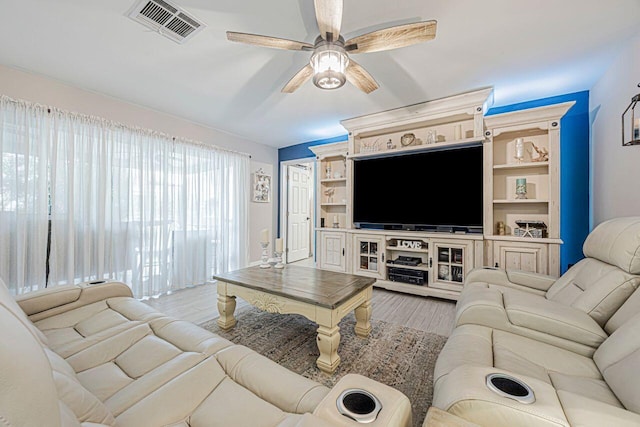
(24, 151)
(138, 206)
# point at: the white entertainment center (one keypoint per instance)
(520, 174)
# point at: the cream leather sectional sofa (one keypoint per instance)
(90, 355)
(531, 350)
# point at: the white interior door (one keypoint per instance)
(299, 216)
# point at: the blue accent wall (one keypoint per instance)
(574, 171)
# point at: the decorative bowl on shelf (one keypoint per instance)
(408, 139)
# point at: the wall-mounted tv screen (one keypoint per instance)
(435, 189)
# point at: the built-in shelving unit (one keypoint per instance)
(437, 264)
(523, 146)
(333, 193)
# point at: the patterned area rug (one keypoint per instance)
(400, 357)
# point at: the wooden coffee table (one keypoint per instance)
(321, 296)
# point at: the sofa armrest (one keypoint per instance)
(516, 279)
(439, 418)
(464, 393)
(540, 282)
(553, 318)
(397, 407)
(49, 302)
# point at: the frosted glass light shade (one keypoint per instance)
(329, 63)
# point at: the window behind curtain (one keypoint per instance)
(125, 204)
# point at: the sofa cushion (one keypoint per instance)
(85, 406)
(529, 315)
(474, 345)
(581, 411)
(595, 287)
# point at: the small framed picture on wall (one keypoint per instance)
(261, 187)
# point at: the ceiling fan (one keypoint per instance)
(330, 64)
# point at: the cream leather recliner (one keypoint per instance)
(90, 355)
(571, 312)
(528, 372)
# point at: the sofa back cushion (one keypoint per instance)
(618, 358)
(26, 382)
(616, 242)
(10, 304)
(595, 287)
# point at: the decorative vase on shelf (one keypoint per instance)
(328, 172)
(521, 188)
(519, 156)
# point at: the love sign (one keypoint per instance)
(410, 244)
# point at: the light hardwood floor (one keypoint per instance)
(198, 305)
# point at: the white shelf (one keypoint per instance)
(421, 267)
(416, 148)
(333, 204)
(423, 290)
(328, 180)
(519, 201)
(510, 238)
(526, 165)
(403, 249)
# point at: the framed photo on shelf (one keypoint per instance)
(261, 187)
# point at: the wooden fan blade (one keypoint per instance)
(298, 79)
(267, 41)
(393, 37)
(360, 78)
(329, 17)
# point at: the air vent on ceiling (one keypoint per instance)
(168, 19)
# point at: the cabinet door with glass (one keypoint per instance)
(369, 256)
(450, 262)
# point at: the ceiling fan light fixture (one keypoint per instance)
(329, 62)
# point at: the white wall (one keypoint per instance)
(36, 88)
(615, 169)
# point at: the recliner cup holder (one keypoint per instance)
(513, 388)
(359, 405)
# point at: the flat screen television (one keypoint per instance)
(437, 190)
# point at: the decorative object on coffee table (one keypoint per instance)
(521, 188)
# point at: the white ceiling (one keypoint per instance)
(525, 49)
